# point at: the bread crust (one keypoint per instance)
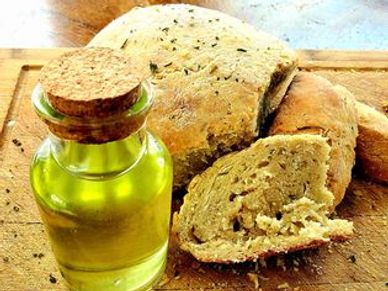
(372, 143)
(211, 74)
(311, 245)
(313, 105)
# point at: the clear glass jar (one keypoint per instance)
(106, 206)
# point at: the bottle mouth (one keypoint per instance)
(94, 130)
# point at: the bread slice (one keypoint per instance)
(267, 199)
(313, 105)
(372, 143)
(215, 78)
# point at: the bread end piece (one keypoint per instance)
(270, 198)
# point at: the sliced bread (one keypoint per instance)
(267, 199)
(215, 78)
(313, 105)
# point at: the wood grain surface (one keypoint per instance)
(318, 24)
(26, 261)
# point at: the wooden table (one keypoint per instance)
(26, 262)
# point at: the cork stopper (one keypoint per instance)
(92, 95)
(91, 82)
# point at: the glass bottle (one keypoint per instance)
(105, 205)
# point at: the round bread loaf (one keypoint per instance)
(215, 78)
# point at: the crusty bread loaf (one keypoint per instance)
(313, 105)
(215, 78)
(267, 199)
(372, 143)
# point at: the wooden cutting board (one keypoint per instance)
(26, 261)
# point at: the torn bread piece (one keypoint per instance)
(315, 106)
(268, 199)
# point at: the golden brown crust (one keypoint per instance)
(372, 143)
(92, 82)
(313, 105)
(210, 72)
(311, 245)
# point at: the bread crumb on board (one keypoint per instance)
(283, 286)
(254, 278)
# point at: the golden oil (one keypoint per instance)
(106, 207)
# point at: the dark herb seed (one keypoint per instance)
(352, 258)
(191, 10)
(167, 65)
(7, 190)
(174, 48)
(279, 215)
(5, 259)
(16, 142)
(16, 209)
(175, 21)
(241, 50)
(124, 44)
(52, 279)
(217, 92)
(153, 67)
(186, 71)
(197, 47)
(165, 29)
(214, 44)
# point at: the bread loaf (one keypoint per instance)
(215, 78)
(267, 199)
(313, 105)
(372, 143)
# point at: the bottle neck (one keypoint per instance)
(99, 161)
